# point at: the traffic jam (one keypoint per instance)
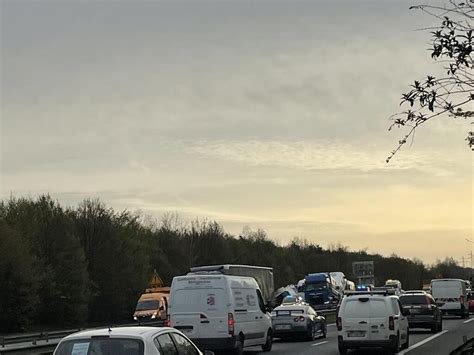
(229, 308)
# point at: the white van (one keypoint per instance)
(452, 294)
(371, 320)
(394, 287)
(220, 312)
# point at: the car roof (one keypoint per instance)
(132, 332)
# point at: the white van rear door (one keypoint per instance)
(355, 319)
(380, 311)
(200, 312)
(448, 292)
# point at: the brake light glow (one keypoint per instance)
(391, 323)
(339, 323)
(230, 323)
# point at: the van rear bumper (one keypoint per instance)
(355, 344)
(215, 343)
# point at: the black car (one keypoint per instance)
(424, 312)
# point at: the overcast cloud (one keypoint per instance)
(271, 114)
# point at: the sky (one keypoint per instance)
(268, 114)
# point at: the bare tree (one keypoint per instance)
(452, 94)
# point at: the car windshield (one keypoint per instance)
(316, 286)
(413, 299)
(149, 304)
(101, 346)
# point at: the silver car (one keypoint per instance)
(128, 341)
(299, 319)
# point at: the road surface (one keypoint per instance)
(422, 342)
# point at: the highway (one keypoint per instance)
(422, 342)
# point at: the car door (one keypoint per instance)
(263, 320)
(402, 320)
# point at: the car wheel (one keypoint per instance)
(239, 350)
(396, 347)
(407, 342)
(325, 331)
(269, 342)
(310, 333)
(342, 349)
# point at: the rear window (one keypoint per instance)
(201, 299)
(101, 346)
(365, 307)
(413, 299)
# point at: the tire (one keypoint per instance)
(239, 350)
(310, 334)
(342, 349)
(325, 331)
(407, 342)
(268, 343)
(435, 328)
(396, 347)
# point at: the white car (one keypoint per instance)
(128, 341)
(220, 312)
(370, 319)
(290, 320)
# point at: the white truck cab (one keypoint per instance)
(371, 320)
(220, 312)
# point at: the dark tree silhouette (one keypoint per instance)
(452, 94)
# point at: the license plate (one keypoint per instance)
(283, 327)
(356, 334)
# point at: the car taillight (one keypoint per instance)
(230, 323)
(167, 322)
(391, 323)
(339, 323)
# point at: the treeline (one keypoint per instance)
(67, 267)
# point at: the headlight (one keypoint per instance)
(153, 316)
(135, 318)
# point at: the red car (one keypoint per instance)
(471, 302)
